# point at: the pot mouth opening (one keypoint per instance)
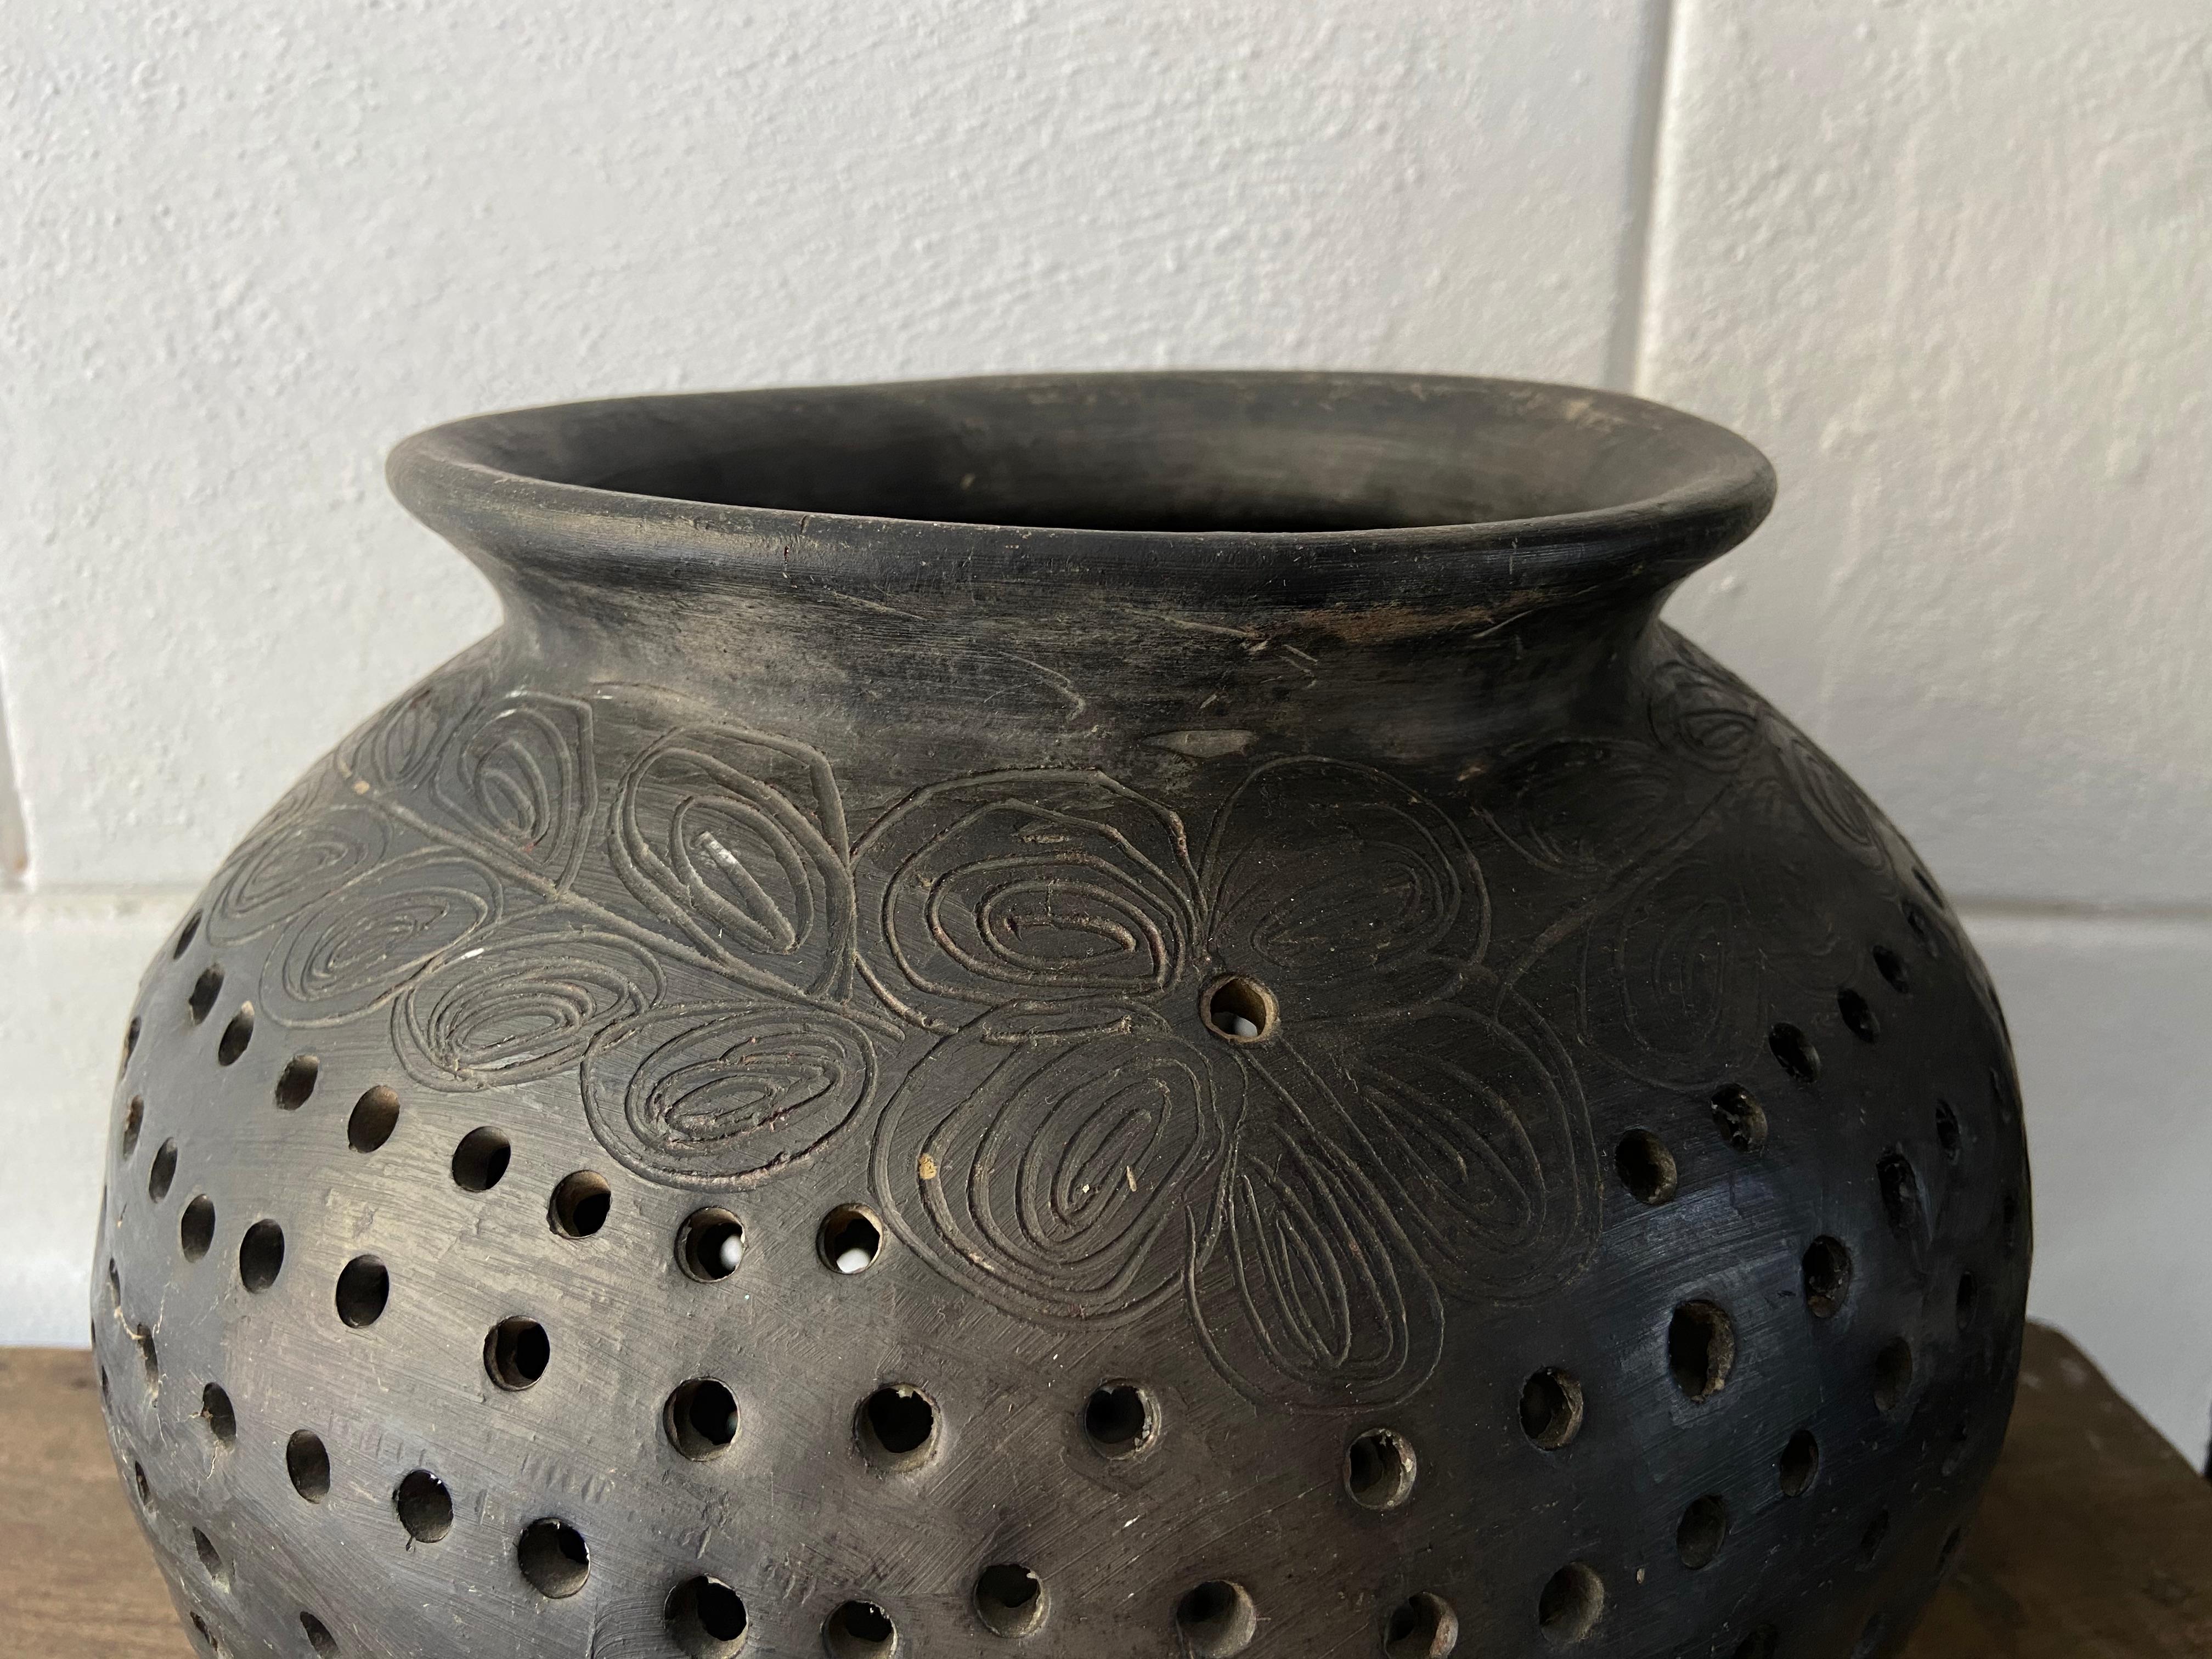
(1265, 456)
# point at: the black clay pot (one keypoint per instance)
(1084, 1016)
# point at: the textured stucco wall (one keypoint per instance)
(1947, 262)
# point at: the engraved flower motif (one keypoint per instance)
(1079, 1145)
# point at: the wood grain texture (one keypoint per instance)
(2095, 1538)
(76, 1580)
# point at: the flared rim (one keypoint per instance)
(571, 487)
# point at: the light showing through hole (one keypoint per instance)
(700, 1419)
(1217, 1618)
(709, 1245)
(375, 1116)
(260, 1255)
(897, 1427)
(235, 1035)
(1009, 1600)
(517, 1353)
(860, 1630)
(1572, 1599)
(1700, 1349)
(1379, 1469)
(1118, 1419)
(553, 1558)
(364, 1286)
(580, 1205)
(308, 1465)
(1238, 1010)
(705, 1618)
(481, 1160)
(1422, 1626)
(850, 1239)
(1552, 1409)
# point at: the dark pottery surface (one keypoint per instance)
(1125, 1015)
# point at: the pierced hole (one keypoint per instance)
(850, 1239)
(1957, 1453)
(1740, 1119)
(481, 1160)
(297, 1081)
(1646, 1167)
(580, 1205)
(1901, 1196)
(1702, 1530)
(195, 1228)
(2008, 1222)
(319, 1636)
(426, 1508)
(553, 1558)
(1928, 887)
(130, 1044)
(260, 1255)
(1119, 1419)
(1422, 1626)
(1762, 1643)
(206, 1635)
(215, 1411)
(1949, 1552)
(145, 1487)
(1799, 1465)
(1891, 966)
(860, 1630)
(364, 1287)
(1573, 1598)
(205, 989)
(211, 1559)
(1009, 1600)
(148, 1358)
(1795, 1052)
(163, 1172)
(1238, 1010)
(700, 1418)
(706, 1618)
(115, 1288)
(1858, 1017)
(1947, 1130)
(375, 1116)
(1968, 1292)
(1827, 1273)
(235, 1035)
(516, 1353)
(1923, 935)
(185, 936)
(308, 1465)
(1700, 1349)
(2002, 1095)
(1379, 1469)
(1552, 1409)
(134, 1118)
(898, 1428)
(1892, 1374)
(1871, 1540)
(709, 1245)
(1216, 1619)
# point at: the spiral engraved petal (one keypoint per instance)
(363, 943)
(724, 1095)
(519, 1006)
(294, 860)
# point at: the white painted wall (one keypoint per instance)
(1949, 260)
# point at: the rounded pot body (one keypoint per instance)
(1085, 1016)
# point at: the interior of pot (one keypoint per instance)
(1293, 453)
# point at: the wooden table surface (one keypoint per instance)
(2093, 1542)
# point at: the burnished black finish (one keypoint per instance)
(1265, 1063)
